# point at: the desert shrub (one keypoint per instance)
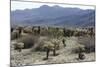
(77, 33)
(15, 35)
(15, 32)
(88, 42)
(78, 48)
(51, 32)
(46, 42)
(39, 45)
(36, 30)
(28, 40)
(55, 32)
(68, 32)
(43, 31)
(59, 34)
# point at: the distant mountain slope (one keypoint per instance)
(56, 15)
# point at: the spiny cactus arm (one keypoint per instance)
(48, 45)
(20, 45)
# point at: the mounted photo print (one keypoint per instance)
(51, 33)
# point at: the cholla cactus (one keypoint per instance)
(63, 41)
(51, 45)
(19, 46)
(81, 54)
(48, 46)
(56, 43)
(27, 30)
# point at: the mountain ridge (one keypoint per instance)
(55, 15)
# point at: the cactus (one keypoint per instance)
(48, 45)
(81, 56)
(18, 46)
(63, 41)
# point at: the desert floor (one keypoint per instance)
(27, 57)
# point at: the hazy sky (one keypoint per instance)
(15, 5)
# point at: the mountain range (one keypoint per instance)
(54, 16)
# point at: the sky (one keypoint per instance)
(16, 5)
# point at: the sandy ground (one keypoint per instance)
(27, 57)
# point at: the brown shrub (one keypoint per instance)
(28, 40)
